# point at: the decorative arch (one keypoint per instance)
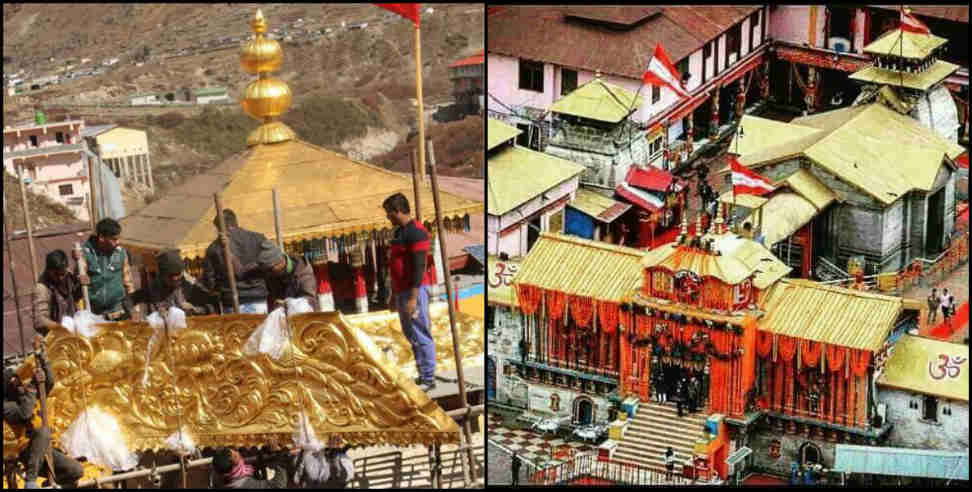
(810, 453)
(581, 406)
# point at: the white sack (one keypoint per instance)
(270, 337)
(84, 323)
(96, 435)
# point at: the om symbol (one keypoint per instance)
(504, 272)
(948, 366)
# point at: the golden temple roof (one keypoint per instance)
(598, 100)
(517, 175)
(912, 359)
(905, 44)
(812, 311)
(783, 214)
(740, 259)
(498, 132)
(805, 184)
(921, 81)
(222, 397)
(322, 194)
(581, 267)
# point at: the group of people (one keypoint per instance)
(670, 382)
(265, 277)
(945, 301)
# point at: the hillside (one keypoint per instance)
(44, 212)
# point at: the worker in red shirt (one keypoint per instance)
(409, 281)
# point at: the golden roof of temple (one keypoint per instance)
(740, 258)
(598, 100)
(916, 365)
(223, 397)
(905, 44)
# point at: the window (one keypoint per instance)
(554, 402)
(706, 54)
(929, 411)
(733, 36)
(59, 137)
(568, 81)
(753, 27)
(33, 140)
(531, 75)
(655, 147)
(683, 69)
(66, 190)
(655, 93)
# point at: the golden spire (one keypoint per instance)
(267, 96)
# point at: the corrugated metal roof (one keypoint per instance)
(883, 153)
(183, 218)
(581, 267)
(821, 313)
(546, 34)
(748, 201)
(956, 13)
(516, 175)
(740, 258)
(498, 132)
(911, 362)
(901, 462)
(805, 184)
(921, 81)
(93, 131)
(782, 215)
(649, 178)
(761, 133)
(905, 44)
(598, 100)
(598, 206)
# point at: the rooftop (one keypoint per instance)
(598, 206)
(498, 133)
(913, 367)
(477, 59)
(598, 100)
(517, 175)
(905, 44)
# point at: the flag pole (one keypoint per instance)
(418, 95)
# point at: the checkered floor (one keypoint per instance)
(532, 445)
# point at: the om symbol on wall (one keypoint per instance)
(945, 366)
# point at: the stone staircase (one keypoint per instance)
(654, 429)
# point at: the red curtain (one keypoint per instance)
(625, 362)
(787, 348)
(811, 352)
(643, 325)
(689, 331)
(859, 362)
(748, 363)
(582, 309)
(835, 357)
(556, 301)
(528, 297)
(777, 395)
(607, 315)
(764, 344)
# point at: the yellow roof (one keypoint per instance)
(891, 98)
(883, 153)
(499, 276)
(908, 368)
(517, 175)
(596, 205)
(782, 215)
(740, 259)
(805, 184)
(345, 385)
(748, 201)
(761, 133)
(921, 81)
(498, 132)
(905, 44)
(598, 100)
(821, 313)
(581, 267)
(322, 194)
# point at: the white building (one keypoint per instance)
(208, 95)
(145, 99)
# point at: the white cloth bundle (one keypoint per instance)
(304, 437)
(298, 305)
(181, 442)
(84, 323)
(271, 336)
(177, 321)
(96, 435)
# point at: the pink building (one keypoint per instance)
(535, 55)
(51, 158)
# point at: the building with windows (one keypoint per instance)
(124, 150)
(208, 95)
(535, 55)
(50, 156)
(467, 82)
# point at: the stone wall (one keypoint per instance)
(951, 432)
(504, 343)
(790, 444)
(606, 157)
(937, 111)
(859, 232)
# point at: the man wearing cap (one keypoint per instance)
(286, 277)
(410, 281)
(108, 273)
(244, 248)
(166, 290)
(56, 293)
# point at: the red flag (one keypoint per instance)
(406, 10)
(910, 23)
(746, 182)
(662, 72)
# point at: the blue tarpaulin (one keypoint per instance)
(579, 224)
(902, 462)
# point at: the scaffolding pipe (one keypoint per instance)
(13, 274)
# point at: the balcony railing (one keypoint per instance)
(51, 149)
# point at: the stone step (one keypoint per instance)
(651, 420)
(663, 434)
(656, 448)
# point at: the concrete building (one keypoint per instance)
(208, 95)
(527, 192)
(925, 392)
(537, 54)
(124, 150)
(145, 99)
(50, 157)
(467, 82)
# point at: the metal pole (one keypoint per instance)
(276, 219)
(228, 254)
(82, 265)
(13, 273)
(416, 186)
(443, 253)
(30, 232)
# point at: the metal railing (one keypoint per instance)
(590, 467)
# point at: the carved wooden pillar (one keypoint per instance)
(690, 130)
(715, 111)
(813, 87)
(764, 81)
(741, 96)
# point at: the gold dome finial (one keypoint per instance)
(267, 96)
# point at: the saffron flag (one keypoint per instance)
(406, 10)
(662, 72)
(746, 182)
(910, 23)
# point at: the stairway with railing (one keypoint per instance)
(590, 470)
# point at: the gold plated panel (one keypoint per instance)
(225, 398)
(266, 97)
